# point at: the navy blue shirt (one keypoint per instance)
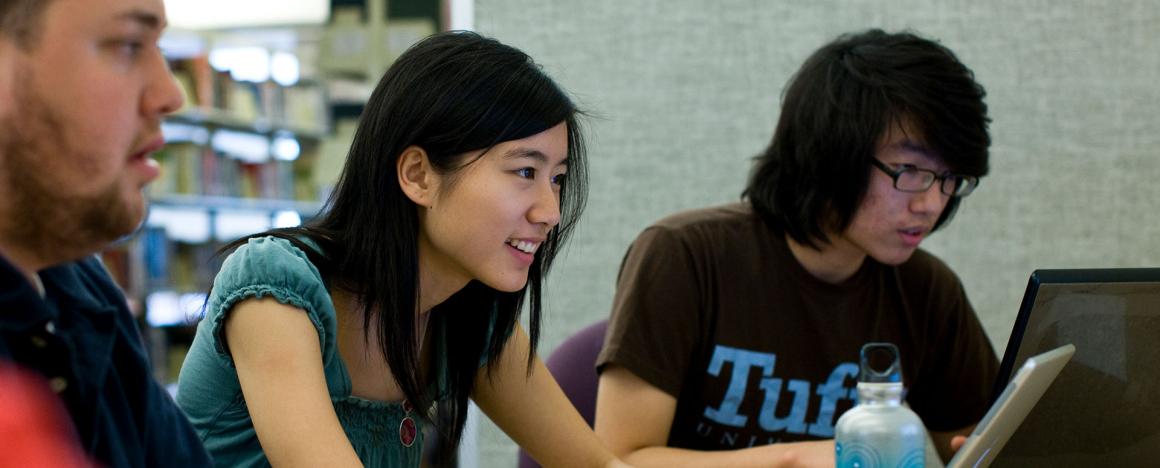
(83, 340)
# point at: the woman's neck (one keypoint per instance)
(434, 289)
(439, 277)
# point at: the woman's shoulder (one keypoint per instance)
(269, 256)
(271, 266)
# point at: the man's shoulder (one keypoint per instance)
(15, 290)
(86, 278)
(925, 271)
(715, 217)
(924, 263)
(719, 229)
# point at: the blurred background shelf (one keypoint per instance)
(271, 104)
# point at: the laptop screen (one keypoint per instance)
(1104, 408)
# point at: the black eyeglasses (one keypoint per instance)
(912, 179)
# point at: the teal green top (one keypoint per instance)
(208, 388)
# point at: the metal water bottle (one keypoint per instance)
(879, 432)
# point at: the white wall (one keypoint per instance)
(687, 91)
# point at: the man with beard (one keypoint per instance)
(83, 89)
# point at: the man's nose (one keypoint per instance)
(931, 200)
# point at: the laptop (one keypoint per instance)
(1008, 411)
(1104, 407)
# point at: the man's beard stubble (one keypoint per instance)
(41, 221)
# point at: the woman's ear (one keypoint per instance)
(416, 176)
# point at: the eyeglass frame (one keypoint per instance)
(968, 180)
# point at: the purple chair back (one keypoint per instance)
(573, 365)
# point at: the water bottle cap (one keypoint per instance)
(880, 364)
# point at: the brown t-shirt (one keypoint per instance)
(712, 308)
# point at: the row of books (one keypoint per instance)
(176, 277)
(151, 268)
(236, 148)
(301, 106)
(193, 169)
(177, 266)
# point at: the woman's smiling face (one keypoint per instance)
(488, 223)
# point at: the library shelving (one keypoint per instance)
(239, 158)
(269, 114)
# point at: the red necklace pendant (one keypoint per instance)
(407, 430)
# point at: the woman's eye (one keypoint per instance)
(558, 179)
(527, 173)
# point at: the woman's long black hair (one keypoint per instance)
(450, 94)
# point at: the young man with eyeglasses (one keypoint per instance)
(735, 330)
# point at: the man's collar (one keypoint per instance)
(37, 284)
(21, 303)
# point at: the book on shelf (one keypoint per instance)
(244, 102)
(196, 78)
(188, 89)
(270, 99)
(181, 169)
(118, 263)
(305, 107)
(238, 155)
(265, 105)
(156, 254)
(177, 266)
(192, 169)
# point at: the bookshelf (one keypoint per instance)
(268, 117)
(240, 157)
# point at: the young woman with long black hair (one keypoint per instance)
(332, 344)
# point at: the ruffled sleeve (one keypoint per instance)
(271, 267)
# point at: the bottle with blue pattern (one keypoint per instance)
(879, 432)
